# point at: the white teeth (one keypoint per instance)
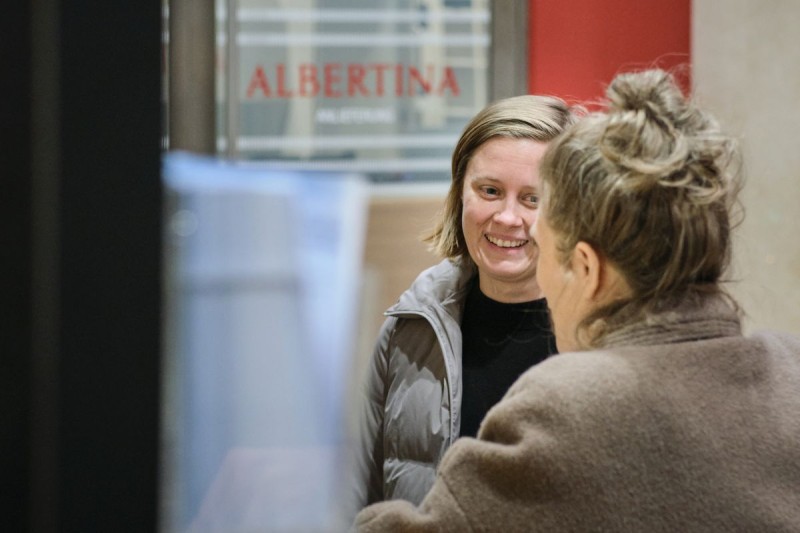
(505, 244)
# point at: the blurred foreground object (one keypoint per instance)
(262, 277)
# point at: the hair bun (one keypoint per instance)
(658, 138)
(652, 92)
(646, 131)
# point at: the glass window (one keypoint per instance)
(383, 88)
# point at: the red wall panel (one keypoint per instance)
(576, 46)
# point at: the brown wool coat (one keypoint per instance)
(681, 426)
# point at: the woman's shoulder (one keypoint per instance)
(589, 364)
(568, 397)
(777, 341)
(449, 269)
(436, 284)
(596, 386)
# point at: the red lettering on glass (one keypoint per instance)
(283, 92)
(258, 81)
(370, 80)
(379, 70)
(355, 80)
(332, 79)
(398, 80)
(415, 76)
(308, 78)
(449, 81)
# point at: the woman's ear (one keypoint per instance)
(587, 267)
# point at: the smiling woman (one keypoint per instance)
(469, 326)
(500, 198)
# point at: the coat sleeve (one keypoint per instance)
(366, 485)
(513, 477)
(438, 512)
(470, 483)
(459, 500)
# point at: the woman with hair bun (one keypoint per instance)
(658, 414)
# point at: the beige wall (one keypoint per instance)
(746, 64)
(394, 252)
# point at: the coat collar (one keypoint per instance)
(706, 316)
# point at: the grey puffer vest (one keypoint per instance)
(411, 408)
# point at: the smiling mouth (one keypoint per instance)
(505, 244)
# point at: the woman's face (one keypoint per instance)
(559, 285)
(501, 199)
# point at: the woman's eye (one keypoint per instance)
(532, 199)
(491, 191)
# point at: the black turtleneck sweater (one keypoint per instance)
(501, 341)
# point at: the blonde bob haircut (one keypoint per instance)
(540, 118)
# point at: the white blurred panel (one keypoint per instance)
(263, 271)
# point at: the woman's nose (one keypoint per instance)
(509, 214)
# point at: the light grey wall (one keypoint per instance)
(509, 55)
(746, 70)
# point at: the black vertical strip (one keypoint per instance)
(109, 265)
(45, 145)
(15, 265)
